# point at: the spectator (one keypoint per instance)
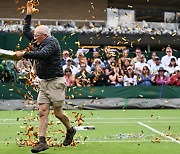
(125, 65)
(65, 55)
(166, 59)
(95, 56)
(160, 78)
(137, 58)
(175, 78)
(23, 67)
(96, 62)
(70, 79)
(99, 77)
(109, 65)
(69, 65)
(130, 79)
(146, 77)
(171, 67)
(115, 77)
(151, 62)
(140, 64)
(80, 55)
(83, 78)
(123, 58)
(158, 64)
(84, 60)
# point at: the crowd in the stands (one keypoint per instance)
(133, 28)
(104, 68)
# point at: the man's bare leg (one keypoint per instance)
(65, 120)
(58, 111)
(43, 123)
(43, 115)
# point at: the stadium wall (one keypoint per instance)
(58, 9)
(17, 96)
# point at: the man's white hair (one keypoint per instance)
(42, 29)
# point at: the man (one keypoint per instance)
(137, 58)
(155, 68)
(140, 64)
(83, 78)
(166, 59)
(52, 85)
(69, 65)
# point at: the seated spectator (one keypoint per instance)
(146, 77)
(84, 60)
(95, 56)
(171, 67)
(175, 78)
(166, 59)
(121, 60)
(65, 55)
(23, 67)
(70, 79)
(83, 78)
(130, 79)
(115, 77)
(160, 78)
(69, 65)
(109, 65)
(96, 62)
(151, 61)
(99, 77)
(137, 58)
(125, 64)
(79, 56)
(140, 64)
(158, 64)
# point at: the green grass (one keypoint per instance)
(116, 131)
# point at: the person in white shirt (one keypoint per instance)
(151, 61)
(139, 65)
(130, 79)
(137, 58)
(84, 60)
(171, 67)
(69, 65)
(158, 64)
(166, 59)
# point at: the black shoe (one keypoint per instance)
(39, 147)
(69, 136)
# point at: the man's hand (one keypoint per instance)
(19, 54)
(30, 8)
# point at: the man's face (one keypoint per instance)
(138, 52)
(39, 38)
(169, 51)
(142, 59)
(157, 61)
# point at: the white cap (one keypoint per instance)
(129, 67)
(68, 58)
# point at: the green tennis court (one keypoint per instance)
(116, 131)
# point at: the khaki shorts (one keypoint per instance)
(52, 91)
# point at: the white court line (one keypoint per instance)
(153, 118)
(101, 141)
(87, 122)
(160, 133)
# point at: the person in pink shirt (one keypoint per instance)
(160, 78)
(69, 77)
